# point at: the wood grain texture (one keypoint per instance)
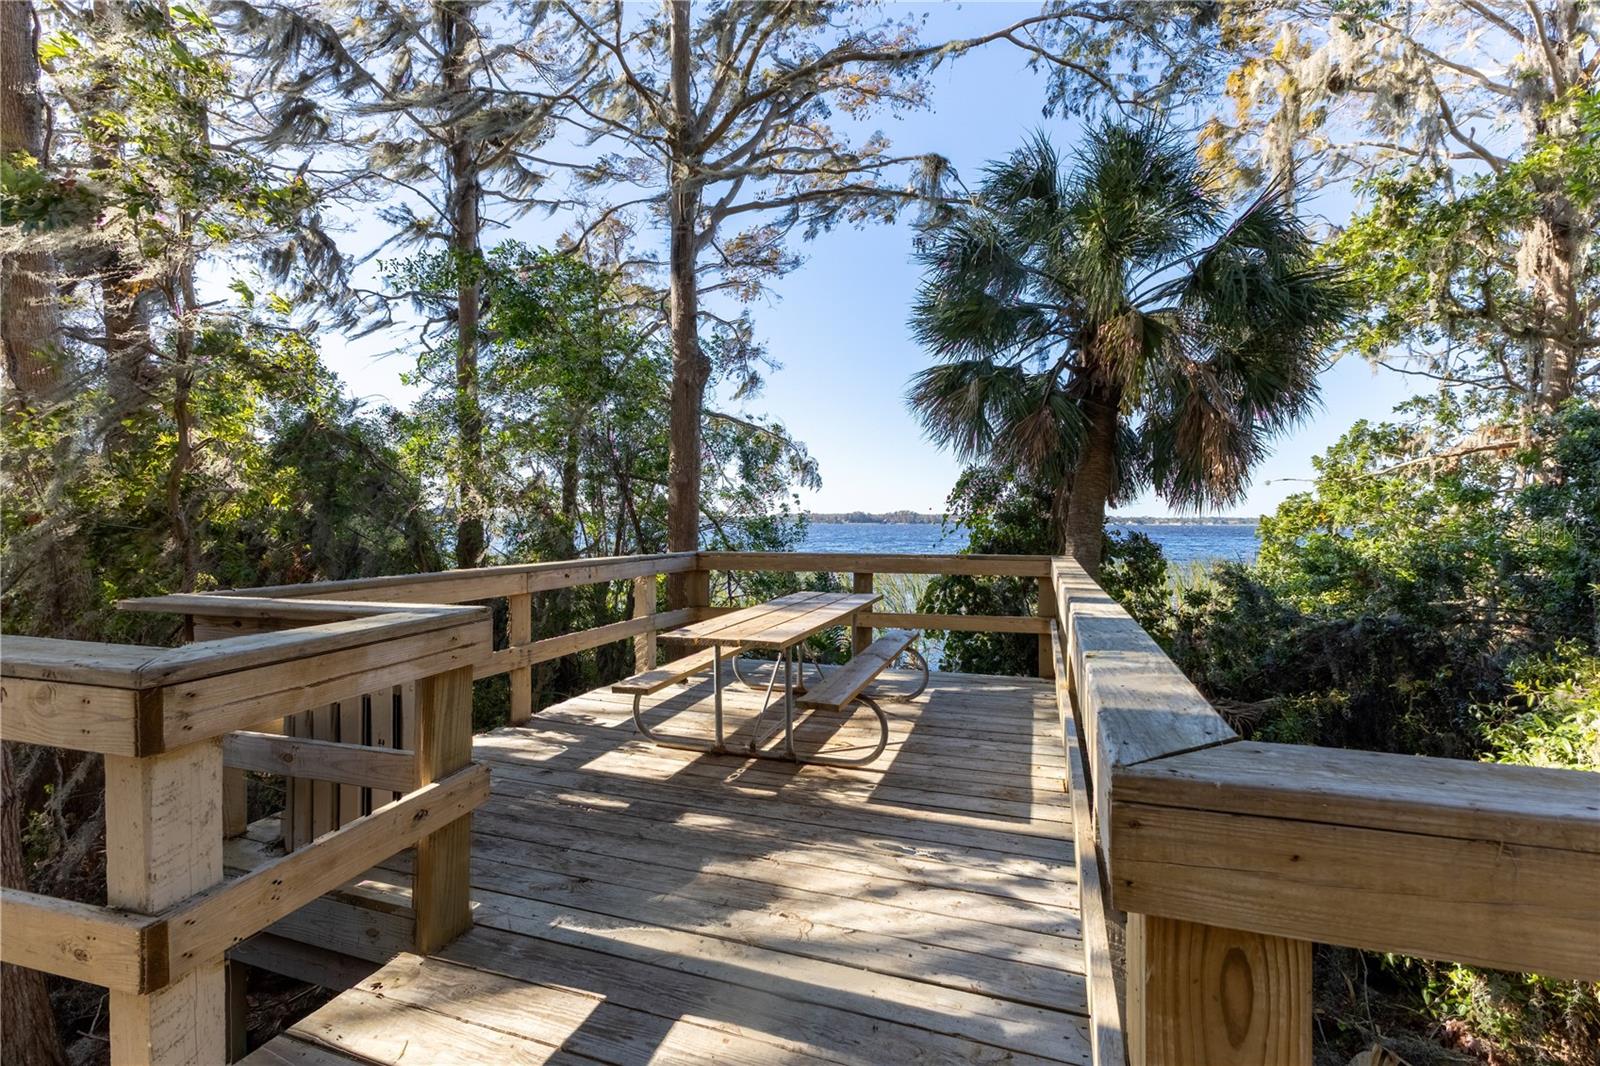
(207, 926)
(519, 626)
(80, 941)
(1514, 805)
(1476, 901)
(244, 698)
(846, 682)
(895, 563)
(1108, 1037)
(163, 845)
(1047, 611)
(861, 634)
(1136, 704)
(644, 606)
(460, 586)
(444, 746)
(63, 714)
(658, 678)
(780, 622)
(707, 909)
(1200, 994)
(961, 623)
(392, 769)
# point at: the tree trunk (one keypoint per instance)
(466, 193)
(1552, 245)
(26, 1021)
(1092, 483)
(27, 329)
(690, 369)
(132, 376)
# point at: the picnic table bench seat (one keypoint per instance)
(846, 682)
(654, 680)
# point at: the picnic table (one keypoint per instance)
(780, 625)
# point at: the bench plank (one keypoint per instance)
(665, 674)
(846, 683)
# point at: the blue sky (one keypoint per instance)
(837, 325)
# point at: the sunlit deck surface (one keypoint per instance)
(640, 904)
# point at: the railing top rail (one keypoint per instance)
(1471, 862)
(136, 700)
(484, 582)
(880, 563)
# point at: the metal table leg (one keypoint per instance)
(716, 696)
(788, 704)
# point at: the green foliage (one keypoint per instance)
(1385, 607)
(1515, 1018)
(1120, 279)
(1434, 257)
(1003, 515)
(293, 485)
(1552, 717)
(1441, 606)
(1006, 515)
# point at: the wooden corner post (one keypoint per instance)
(861, 635)
(1198, 993)
(164, 844)
(519, 626)
(1046, 609)
(440, 894)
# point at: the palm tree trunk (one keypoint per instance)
(1091, 485)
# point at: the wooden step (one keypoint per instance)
(846, 682)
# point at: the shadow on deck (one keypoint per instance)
(638, 904)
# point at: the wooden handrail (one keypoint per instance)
(1219, 849)
(878, 563)
(483, 583)
(163, 718)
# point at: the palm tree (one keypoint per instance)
(1119, 326)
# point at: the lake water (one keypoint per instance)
(1182, 542)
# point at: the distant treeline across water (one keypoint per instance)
(1183, 542)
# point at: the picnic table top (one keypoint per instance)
(777, 623)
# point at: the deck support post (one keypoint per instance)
(164, 844)
(1199, 993)
(440, 896)
(519, 625)
(861, 635)
(644, 605)
(1046, 609)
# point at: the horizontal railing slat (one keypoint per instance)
(78, 940)
(880, 563)
(206, 925)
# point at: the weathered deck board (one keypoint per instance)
(637, 904)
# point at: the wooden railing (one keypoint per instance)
(168, 722)
(1207, 864)
(1226, 858)
(318, 800)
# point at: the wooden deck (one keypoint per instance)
(637, 904)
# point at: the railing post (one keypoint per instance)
(698, 587)
(644, 605)
(163, 844)
(861, 635)
(1198, 993)
(440, 896)
(1046, 609)
(520, 631)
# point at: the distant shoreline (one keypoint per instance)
(917, 518)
